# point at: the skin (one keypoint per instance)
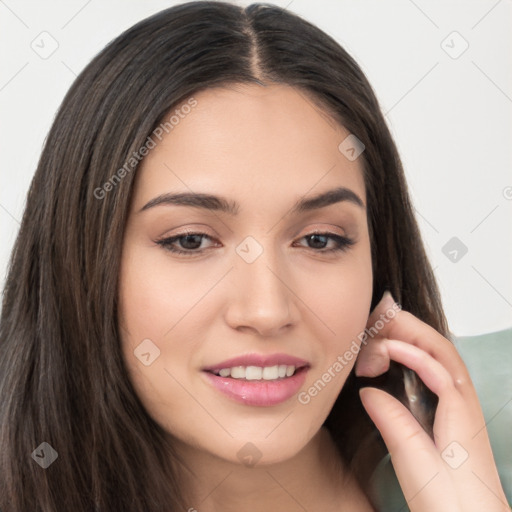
(456, 470)
(266, 148)
(246, 143)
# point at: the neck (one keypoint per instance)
(313, 479)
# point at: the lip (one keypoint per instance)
(261, 393)
(260, 360)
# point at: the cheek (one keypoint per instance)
(154, 296)
(342, 297)
(343, 309)
(151, 304)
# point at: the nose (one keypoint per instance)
(262, 298)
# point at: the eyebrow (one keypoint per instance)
(221, 204)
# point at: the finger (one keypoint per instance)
(414, 456)
(373, 359)
(431, 372)
(454, 415)
(387, 304)
(388, 322)
(426, 471)
(376, 356)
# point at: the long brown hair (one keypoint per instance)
(62, 380)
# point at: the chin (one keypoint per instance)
(267, 449)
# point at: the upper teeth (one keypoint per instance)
(257, 372)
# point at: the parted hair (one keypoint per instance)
(62, 378)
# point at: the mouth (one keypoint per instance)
(258, 380)
(250, 373)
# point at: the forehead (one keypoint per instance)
(250, 139)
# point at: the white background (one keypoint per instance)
(451, 117)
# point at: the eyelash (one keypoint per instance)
(342, 243)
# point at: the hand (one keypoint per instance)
(433, 474)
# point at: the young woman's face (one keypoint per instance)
(256, 294)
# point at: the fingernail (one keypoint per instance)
(387, 299)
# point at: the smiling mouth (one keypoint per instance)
(258, 373)
(262, 386)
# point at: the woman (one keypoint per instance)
(218, 208)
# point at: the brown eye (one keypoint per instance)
(189, 243)
(318, 241)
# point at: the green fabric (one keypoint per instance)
(488, 358)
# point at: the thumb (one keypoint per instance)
(413, 454)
